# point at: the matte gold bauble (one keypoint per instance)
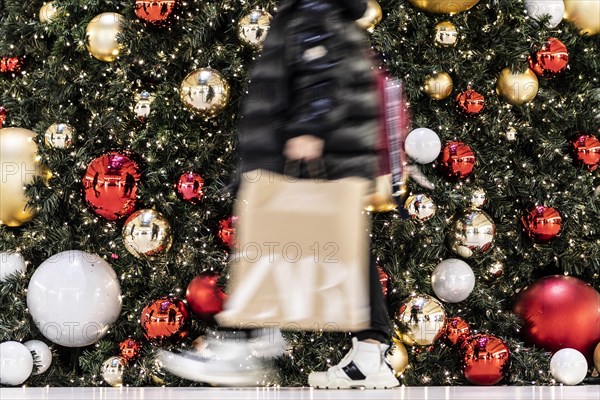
(101, 36)
(20, 165)
(517, 88)
(438, 86)
(48, 12)
(205, 91)
(443, 6)
(584, 14)
(371, 17)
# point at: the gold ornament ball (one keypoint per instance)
(48, 12)
(381, 199)
(421, 318)
(597, 357)
(59, 135)
(205, 91)
(371, 17)
(438, 86)
(20, 165)
(443, 6)
(584, 14)
(253, 27)
(517, 88)
(446, 34)
(472, 233)
(397, 357)
(147, 233)
(112, 371)
(101, 36)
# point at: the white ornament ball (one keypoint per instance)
(554, 8)
(43, 355)
(74, 297)
(16, 363)
(568, 366)
(422, 145)
(112, 371)
(10, 263)
(452, 280)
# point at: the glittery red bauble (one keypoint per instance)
(165, 319)
(10, 64)
(3, 113)
(227, 230)
(130, 349)
(156, 12)
(469, 103)
(550, 59)
(455, 331)
(110, 185)
(457, 160)
(560, 312)
(189, 187)
(485, 359)
(384, 279)
(586, 149)
(205, 297)
(542, 223)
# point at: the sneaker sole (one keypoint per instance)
(378, 382)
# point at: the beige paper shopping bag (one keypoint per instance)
(301, 255)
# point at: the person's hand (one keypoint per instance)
(305, 147)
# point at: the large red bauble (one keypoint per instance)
(189, 187)
(110, 185)
(227, 230)
(457, 160)
(469, 103)
(542, 223)
(455, 331)
(205, 297)
(165, 319)
(559, 312)
(384, 279)
(155, 12)
(551, 58)
(485, 359)
(3, 113)
(10, 64)
(130, 349)
(586, 149)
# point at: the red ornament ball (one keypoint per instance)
(586, 149)
(457, 160)
(227, 230)
(189, 187)
(384, 279)
(165, 319)
(549, 59)
(3, 113)
(205, 297)
(11, 64)
(485, 359)
(130, 349)
(455, 331)
(469, 103)
(542, 223)
(157, 13)
(110, 185)
(560, 312)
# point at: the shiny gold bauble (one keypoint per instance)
(443, 6)
(147, 233)
(597, 357)
(438, 86)
(101, 36)
(421, 318)
(48, 12)
(20, 165)
(59, 135)
(584, 14)
(371, 17)
(472, 233)
(205, 91)
(446, 34)
(112, 371)
(397, 357)
(253, 27)
(517, 88)
(420, 207)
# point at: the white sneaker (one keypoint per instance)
(364, 366)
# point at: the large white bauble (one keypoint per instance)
(554, 8)
(43, 355)
(568, 366)
(452, 280)
(16, 363)
(422, 145)
(11, 262)
(74, 297)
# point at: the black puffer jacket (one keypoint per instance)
(314, 77)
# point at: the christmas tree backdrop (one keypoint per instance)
(133, 116)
